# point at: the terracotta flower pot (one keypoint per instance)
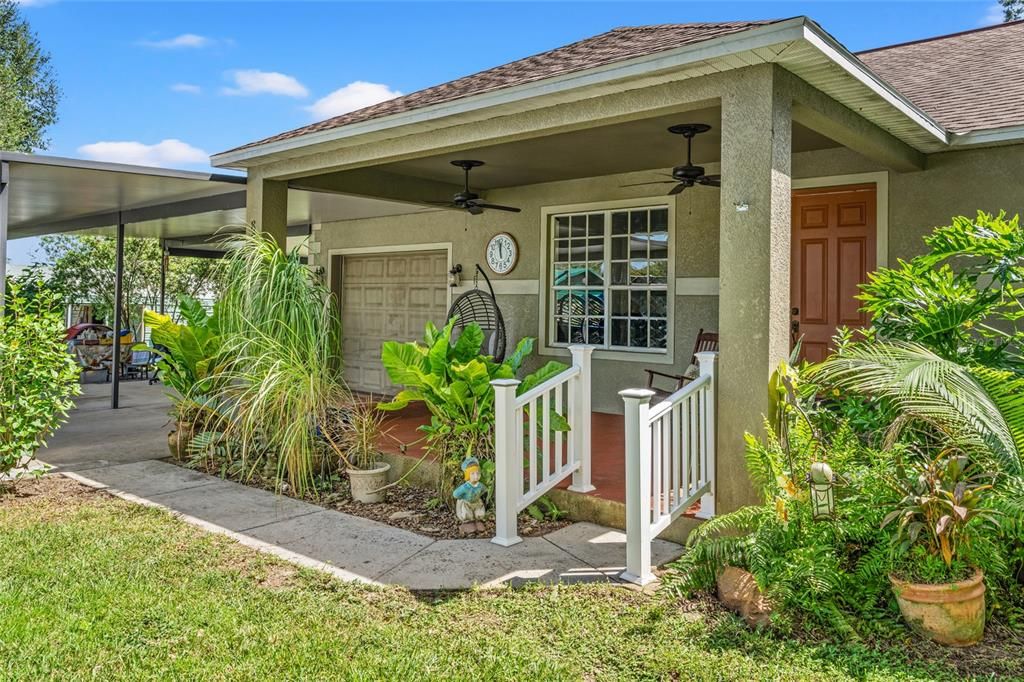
(367, 483)
(948, 613)
(178, 440)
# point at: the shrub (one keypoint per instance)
(38, 376)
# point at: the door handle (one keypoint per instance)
(794, 326)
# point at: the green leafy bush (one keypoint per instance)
(961, 299)
(38, 376)
(453, 380)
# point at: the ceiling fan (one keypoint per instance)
(688, 174)
(467, 200)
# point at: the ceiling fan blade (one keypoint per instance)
(677, 189)
(710, 180)
(652, 182)
(497, 207)
(474, 209)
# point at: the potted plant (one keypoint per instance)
(355, 433)
(940, 592)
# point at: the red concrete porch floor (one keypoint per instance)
(607, 450)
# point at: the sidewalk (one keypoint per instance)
(354, 548)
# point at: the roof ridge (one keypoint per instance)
(980, 29)
(691, 24)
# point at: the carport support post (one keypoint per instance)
(164, 257)
(5, 175)
(115, 361)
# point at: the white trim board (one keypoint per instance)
(696, 286)
(502, 287)
(881, 181)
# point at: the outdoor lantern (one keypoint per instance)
(823, 500)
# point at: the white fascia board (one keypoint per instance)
(761, 36)
(989, 136)
(831, 48)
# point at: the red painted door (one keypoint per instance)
(834, 242)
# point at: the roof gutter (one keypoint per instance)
(797, 28)
(989, 136)
(85, 164)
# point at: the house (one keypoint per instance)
(831, 164)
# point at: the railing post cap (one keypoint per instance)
(503, 383)
(580, 348)
(637, 394)
(707, 355)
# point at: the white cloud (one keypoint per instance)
(185, 40)
(164, 153)
(993, 15)
(355, 95)
(256, 82)
(189, 88)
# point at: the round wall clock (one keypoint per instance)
(502, 253)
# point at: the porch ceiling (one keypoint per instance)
(606, 150)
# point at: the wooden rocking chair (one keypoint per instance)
(706, 341)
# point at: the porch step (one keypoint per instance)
(592, 508)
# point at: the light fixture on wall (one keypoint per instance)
(455, 275)
(741, 206)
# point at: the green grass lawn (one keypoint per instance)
(92, 587)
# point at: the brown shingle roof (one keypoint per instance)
(613, 46)
(965, 81)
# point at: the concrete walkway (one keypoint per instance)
(120, 451)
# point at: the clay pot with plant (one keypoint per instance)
(355, 434)
(940, 592)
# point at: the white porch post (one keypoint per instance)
(508, 466)
(708, 361)
(638, 485)
(580, 423)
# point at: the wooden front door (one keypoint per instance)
(834, 242)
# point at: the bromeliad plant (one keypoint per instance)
(453, 380)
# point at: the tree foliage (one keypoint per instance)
(28, 89)
(1013, 10)
(83, 268)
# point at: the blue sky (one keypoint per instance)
(169, 83)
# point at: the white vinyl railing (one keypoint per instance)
(670, 462)
(531, 456)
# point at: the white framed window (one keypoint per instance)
(609, 274)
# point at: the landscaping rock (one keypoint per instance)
(399, 515)
(738, 591)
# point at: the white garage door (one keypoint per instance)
(387, 297)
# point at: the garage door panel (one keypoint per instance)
(387, 297)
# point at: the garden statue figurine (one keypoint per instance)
(469, 505)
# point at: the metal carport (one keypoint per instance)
(41, 195)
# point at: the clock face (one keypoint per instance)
(502, 253)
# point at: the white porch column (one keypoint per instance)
(266, 206)
(754, 265)
(580, 424)
(638, 485)
(508, 464)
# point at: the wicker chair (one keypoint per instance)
(481, 307)
(706, 341)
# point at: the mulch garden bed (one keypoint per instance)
(407, 506)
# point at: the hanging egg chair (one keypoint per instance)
(480, 307)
